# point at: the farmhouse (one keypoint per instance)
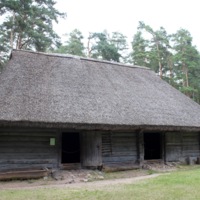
(63, 111)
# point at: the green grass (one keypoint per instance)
(127, 173)
(178, 185)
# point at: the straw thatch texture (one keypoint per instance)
(43, 88)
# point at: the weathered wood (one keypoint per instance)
(59, 149)
(16, 167)
(119, 148)
(120, 158)
(198, 160)
(173, 146)
(163, 143)
(190, 145)
(27, 161)
(24, 148)
(28, 174)
(25, 155)
(91, 149)
(71, 166)
(140, 147)
(181, 146)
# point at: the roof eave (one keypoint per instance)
(100, 127)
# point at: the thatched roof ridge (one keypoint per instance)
(66, 91)
(68, 56)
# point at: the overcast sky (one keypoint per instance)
(123, 16)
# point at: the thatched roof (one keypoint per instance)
(66, 90)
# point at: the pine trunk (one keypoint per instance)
(12, 31)
(159, 63)
(88, 48)
(185, 72)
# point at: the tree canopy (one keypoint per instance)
(173, 57)
(74, 45)
(28, 24)
(103, 48)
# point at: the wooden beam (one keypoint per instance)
(163, 146)
(28, 174)
(140, 147)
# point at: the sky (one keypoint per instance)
(124, 15)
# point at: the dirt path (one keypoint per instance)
(85, 185)
(105, 183)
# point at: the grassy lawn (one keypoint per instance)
(183, 185)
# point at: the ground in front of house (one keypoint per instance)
(180, 183)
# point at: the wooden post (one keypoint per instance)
(59, 148)
(163, 147)
(181, 140)
(140, 147)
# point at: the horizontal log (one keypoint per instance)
(27, 156)
(23, 139)
(26, 166)
(119, 159)
(31, 134)
(28, 161)
(25, 144)
(36, 149)
(30, 174)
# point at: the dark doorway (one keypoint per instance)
(70, 148)
(152, 146)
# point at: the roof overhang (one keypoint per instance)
(98, 127)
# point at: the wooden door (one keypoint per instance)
(91, 144)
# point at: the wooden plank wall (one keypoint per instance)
(190, 142)
(173, 146)
(119, 148)
(91, 143)
(27, 148)
(180, 146)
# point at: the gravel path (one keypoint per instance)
(83, 185)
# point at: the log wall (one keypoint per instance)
(30, 148)
(27, 148)
(180, 146)
(119, 148)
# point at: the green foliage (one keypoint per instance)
(139, 46)
(156, 49)
(100, 45)
(106, 47)
(173, 57)
(74, 45)
(4, 49)
(120, 42)
(28, 24)
(102, 48)
(186, 64)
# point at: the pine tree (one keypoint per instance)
(4, 49)
(139, 47)
(107, 47)
(120, 42)
(158, 48)
(74, 45)
(102, 48)
(187, 63)
(28, 23)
